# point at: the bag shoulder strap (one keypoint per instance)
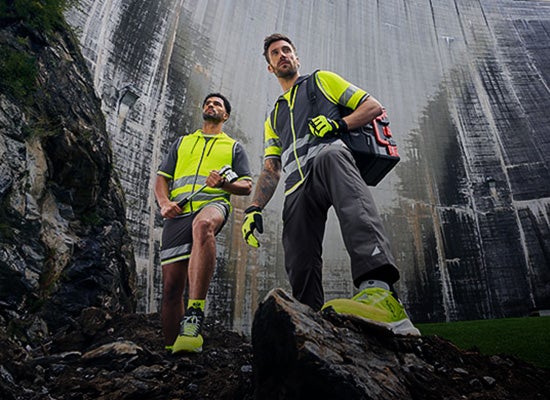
(311, 94)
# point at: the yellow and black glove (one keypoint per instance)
(321, 126)
(252, 221)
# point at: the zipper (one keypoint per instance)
(291, 102)
(200, 162)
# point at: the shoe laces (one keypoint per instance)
(381, 298)
(373, 296)
(192, 322)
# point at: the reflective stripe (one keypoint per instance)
(176, 259)
(311, 154)
(292, 167)
(273, 142)
(164, 174)
(299, 143)
(203, 196)
(189, 180)
(348, 94)
(169, 255)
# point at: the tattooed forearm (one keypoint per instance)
(267, 182)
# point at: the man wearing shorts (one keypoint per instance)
(188, 246)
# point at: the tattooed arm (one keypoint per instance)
(267, 182)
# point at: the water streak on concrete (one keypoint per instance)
(466, 84)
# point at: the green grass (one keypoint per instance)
(526, 338)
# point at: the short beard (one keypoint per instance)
(289, 73)
(212, 117)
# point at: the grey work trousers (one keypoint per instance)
(333, 180)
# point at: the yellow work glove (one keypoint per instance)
(321, 126)
(252, 221)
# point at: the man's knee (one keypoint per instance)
(203, 228)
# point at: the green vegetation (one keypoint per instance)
(42, 15)
(526, 338)
(17, 68)
(17, 72)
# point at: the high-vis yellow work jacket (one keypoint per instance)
(197, 155)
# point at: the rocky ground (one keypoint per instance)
(106, 356)
(103, 356)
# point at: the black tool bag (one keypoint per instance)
(372, 145)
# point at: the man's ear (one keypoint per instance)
(269, 68)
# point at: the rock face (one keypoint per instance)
(63, 237)
(299, 353)
(466, 87)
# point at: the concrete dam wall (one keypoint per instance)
(466, 84)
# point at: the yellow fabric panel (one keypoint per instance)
(272, 143)
(338, 90)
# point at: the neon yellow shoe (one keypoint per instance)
(377, 305)
(190, 340)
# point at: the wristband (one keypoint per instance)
(252, 209)
(342, 126)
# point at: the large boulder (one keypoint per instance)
(302, 354)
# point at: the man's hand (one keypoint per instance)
(215, 179)
(252, 221)
(320, 126)
(170, 209)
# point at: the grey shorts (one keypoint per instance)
(177, 235)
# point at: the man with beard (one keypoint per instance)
(320, 173)
(191, 170)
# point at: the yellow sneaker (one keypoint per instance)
(188, 344)
(190, 340)
(378, 305)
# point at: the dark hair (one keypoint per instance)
(221, 96)
(274, 38)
